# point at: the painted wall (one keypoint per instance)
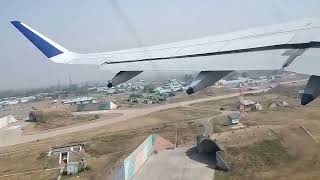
(140, 155)
(6, 120)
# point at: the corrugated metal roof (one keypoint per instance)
(234, 115)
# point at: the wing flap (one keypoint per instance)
(264, 60)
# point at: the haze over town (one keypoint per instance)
(95, 26)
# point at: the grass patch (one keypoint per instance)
(230, 104)
(268, 153)
(45, 120)
(263, 155)
(181, 114)
(285, 90)
(216, 129)
(218, 124)
(42, 155)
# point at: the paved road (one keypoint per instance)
(174, 165)
(14, 138)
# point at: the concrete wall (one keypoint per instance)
(139, 156)
(208, 146)
(93, 107)
(6, 120)
(119, 173)
(220, 163)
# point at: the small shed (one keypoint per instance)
(234, 118)
(76, 167)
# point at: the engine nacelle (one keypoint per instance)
(311, 91)
(205, 79)
(122, 76)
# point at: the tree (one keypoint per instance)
(244, 74)
(149, 88)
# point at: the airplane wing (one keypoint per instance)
(281, 46)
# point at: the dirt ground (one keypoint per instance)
(279, 143)
(103, 149)
(272, 152)
(210, 91)
(272, 144)
(103, 146)
(53, 119)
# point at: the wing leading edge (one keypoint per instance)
(275, 40)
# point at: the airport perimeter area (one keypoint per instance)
(262, 145)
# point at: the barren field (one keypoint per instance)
(280, 143)
(51, 120)
(104, 146)
(184, 113)
(272, 152)
(103, 149)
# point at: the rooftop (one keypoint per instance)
(247, 102)
(234, 115)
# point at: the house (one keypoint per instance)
(81, 100)
(234, 118)
(236, 83)
(247, 105)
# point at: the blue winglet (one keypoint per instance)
(45, 47)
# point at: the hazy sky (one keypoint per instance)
(96, 26)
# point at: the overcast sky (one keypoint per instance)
(96, 26)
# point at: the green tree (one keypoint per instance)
(149, 88)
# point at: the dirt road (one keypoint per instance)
(8, 139)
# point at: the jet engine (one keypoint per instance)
(122, 76)
(205, 79)
(311, 91)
